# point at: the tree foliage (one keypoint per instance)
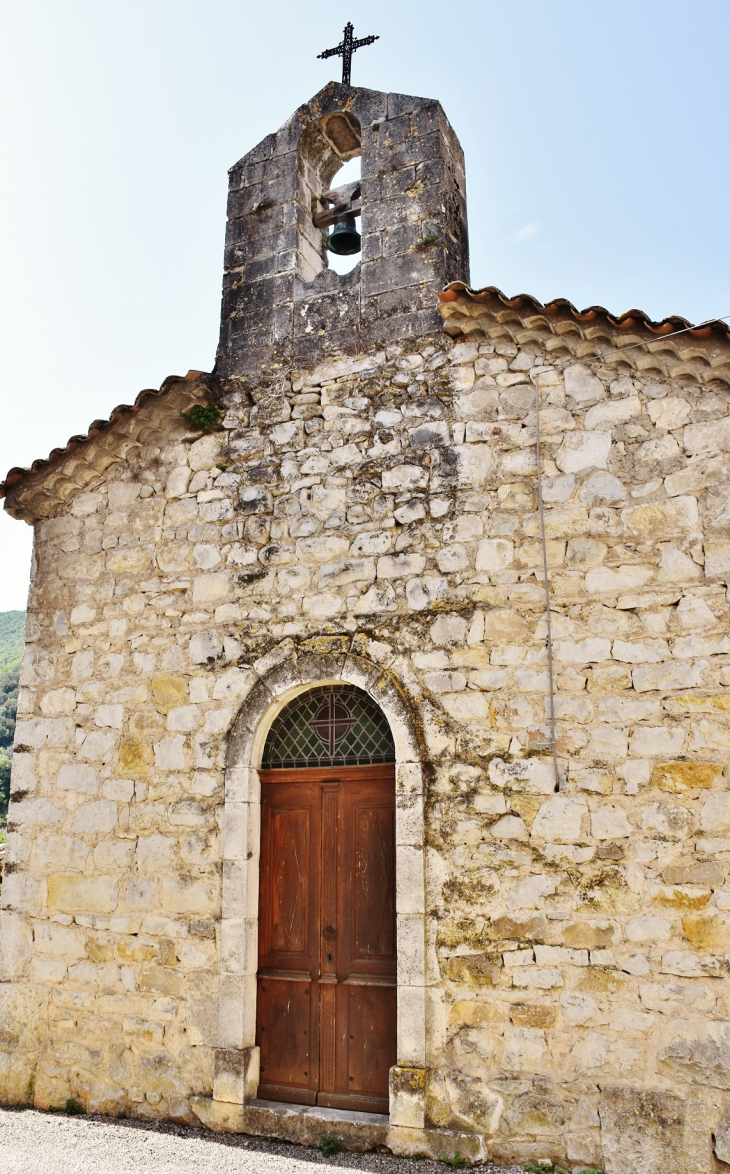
(11, 650)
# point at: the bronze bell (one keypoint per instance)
(344, 238)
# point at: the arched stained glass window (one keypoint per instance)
(332, 725)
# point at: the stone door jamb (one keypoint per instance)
(266, 694)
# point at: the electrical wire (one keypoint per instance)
(551, 679)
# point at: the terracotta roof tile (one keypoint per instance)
(17, 474)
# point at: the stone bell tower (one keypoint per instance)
(282, 305)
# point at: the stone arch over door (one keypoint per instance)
(265, 689)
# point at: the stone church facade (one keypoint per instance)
(365, 518)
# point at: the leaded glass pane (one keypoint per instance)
(332, 725)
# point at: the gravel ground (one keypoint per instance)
(43, 1143)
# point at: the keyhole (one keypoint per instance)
(329, 957)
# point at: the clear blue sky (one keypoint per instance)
(596, 141)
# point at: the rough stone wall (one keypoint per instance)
(578, 932)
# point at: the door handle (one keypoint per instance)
(330, 932)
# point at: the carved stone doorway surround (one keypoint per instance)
(264, 690)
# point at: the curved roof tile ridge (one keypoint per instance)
(18, 472)
(626, 321)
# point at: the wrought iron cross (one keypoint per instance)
(332, 723)
(345, 50)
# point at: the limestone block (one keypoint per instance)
(323, 606)
(233, 685)
(211, 589)
(643, 1131)
(422, 593)
(169, 753)
(510, 827)
(113, 854)
(59, 941)
(173, 558)
(23, 779)
(153, 854)
(560, 956)
(668, 676)
(709, 437)
(715, 812)
(609, 822)
(444, 682)
(97, 746)
(177, 482)
(452, 558)
(608, 743)
(236, 1075)
(686, 965)
(614, 579)
(697, 1051)
(582, 385)
(98, 816)
(595, 648)
(677, 567)
(16, 939)
(648, 928)
(184, 718)
(641, 651)
(668, 821)
(717, 560)
(559, 819)
(532, 775)
(71, 893)
(192, 898)
(407, 1096)
(135, 757)
(648, 741)
(57, 702)
(78, 777)
(580, 1010)
(109, 715)
(679, 777)
(707, 931)
(206, 452)
(678, 1001)
(612, 413)
(473, 1105)
(405, 477)
(583, 450)
(655, 521)
(531, 891)
(669, 413)
(722, 1137)
(61, 852)
(35, 812)
(494, 555)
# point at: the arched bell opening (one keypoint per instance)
(328, 213)
(326, 1022)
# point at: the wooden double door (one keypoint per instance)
(326, 1012)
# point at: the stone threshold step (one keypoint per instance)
(359, 1132)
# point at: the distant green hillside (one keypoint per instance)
(11, 650)
(11, 639)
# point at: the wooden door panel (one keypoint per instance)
(289, 902)
(287, 1037)
(326, 1020)
(367, 889)
(366, 1047)
(373, 884)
